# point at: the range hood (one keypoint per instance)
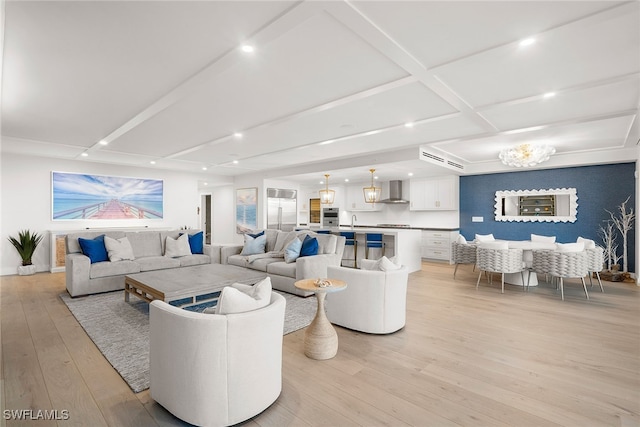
(395, 193)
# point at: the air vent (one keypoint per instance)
(440, 160)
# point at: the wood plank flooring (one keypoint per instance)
(466, 357)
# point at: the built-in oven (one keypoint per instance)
(330, 217)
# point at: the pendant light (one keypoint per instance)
(327, 196)
(372, 194)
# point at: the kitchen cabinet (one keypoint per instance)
(440, 193)
(436, 244)
(354, 197)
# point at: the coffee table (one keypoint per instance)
(188, 286)
(320, 337)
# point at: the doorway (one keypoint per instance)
(206, 217)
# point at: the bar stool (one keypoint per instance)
(323, 231)
(373, 240)
(350, 237)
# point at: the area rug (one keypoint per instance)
(120, 330)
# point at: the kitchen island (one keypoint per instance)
(403, 243)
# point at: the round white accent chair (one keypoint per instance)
(374, 301)
(216, 369)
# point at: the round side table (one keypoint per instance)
(320, 338)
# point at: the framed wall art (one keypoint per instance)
(77, 196)
(246, 209)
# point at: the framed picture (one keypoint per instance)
(78, 196)
(246, 209)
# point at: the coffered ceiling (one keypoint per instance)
(330, 87)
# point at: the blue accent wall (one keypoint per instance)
(598, 188)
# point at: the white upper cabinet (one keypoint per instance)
(426, 194)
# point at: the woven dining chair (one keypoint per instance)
(499, 261)
(595, 263)
(562, 265)
(463, 253)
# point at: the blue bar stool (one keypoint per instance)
(323, 231)
(350, 237)
(373, 240)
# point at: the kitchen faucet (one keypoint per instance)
(353, 220)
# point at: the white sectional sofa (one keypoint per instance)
(148, 246)
(284, 275)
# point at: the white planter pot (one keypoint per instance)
(26, 270)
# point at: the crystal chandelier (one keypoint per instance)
(372, 193)
(327, 196)
(525, 155)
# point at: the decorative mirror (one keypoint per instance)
(552, 205)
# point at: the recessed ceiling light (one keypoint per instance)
(204, 168)
(321, 182)
(375, 177)
(237, 135)
(247, 48)
(103, 142)
(327, 142)
(85, 154)
(206, 183)
(527, 42)
(410, 173)
(346, 180)
(235, 162)
(153, 162)
(408, 125)
(549, 94)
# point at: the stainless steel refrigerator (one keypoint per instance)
(282, 209)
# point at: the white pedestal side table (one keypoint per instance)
(320, 338)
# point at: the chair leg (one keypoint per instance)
(599, 281)
(561, 289)
(522, 277)
(590, 281)
(584, 285)
(455, 270)
(502, 282)
(479, 277)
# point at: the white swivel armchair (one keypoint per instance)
(216, 370)
(374, 301)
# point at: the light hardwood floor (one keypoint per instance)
(466, 357)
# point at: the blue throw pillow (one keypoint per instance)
(254, 235)
(309, 246)
(94, 249)
(196, 242)
(254, 246)
(292, 251)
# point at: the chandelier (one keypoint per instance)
(327, 196)
(525, 155)
(372, 193)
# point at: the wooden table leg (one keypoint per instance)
(320, 338)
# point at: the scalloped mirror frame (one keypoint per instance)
(573, 205)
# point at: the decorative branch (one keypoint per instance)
(624, 223)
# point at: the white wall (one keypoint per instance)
(25, 202)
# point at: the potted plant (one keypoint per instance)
(26, 245)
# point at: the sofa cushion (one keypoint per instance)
(501, 245)
(119, 249)
(292, 251)
(570, 247)
(150, 263)
(262, 263)
(272, 236)
(145, 243)
(309, 246)
(327, 243)
(282, 269)
(108, 268)
(73, 247)
(238, 260)
(195, 259)
(233, 300)
(94, 249)
(177, 247)
(484, 238)
(254, 246)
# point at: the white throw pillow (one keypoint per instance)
(570, 247)
(460, 239)
(494, 245)
(239, 298)
(177, 247)
(118, 250)
(254, 246)
(546, 239)
(588, 243)
(386, 264)
(368, 264)
(292, 251)
(484, 238)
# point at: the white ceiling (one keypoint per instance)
(328, 88)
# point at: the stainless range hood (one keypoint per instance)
(395, 194)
